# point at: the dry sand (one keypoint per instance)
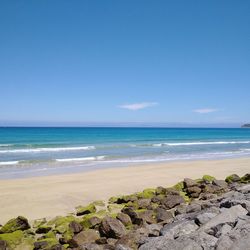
(49, 196)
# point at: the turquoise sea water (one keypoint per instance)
(43, 151)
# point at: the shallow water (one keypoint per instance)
(43, 151)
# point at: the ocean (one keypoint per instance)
(26, 152)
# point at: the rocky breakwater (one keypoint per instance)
(194, 214)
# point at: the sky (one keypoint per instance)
(124, 62)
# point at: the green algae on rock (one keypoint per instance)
(19, 223)
(85, 210)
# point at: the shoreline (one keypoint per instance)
(49, 196)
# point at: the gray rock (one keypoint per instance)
(163, 243)
(204, 218)
(122, 247)
(193, 207)
(153, 230)
(220, 183)
(241, 244)
(229, 215)
(244, 189)
(232, 202)
(176, 229)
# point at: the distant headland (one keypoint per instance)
(247, 125)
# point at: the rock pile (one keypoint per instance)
(194, 214)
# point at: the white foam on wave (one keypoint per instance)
(38, 150)
(92, 158)
(5, 145)
(4, 163)
(199, 143)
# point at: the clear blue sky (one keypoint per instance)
(79, 62)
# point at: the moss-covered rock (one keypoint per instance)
(99, 203)
(146, 193)
(232, 178)
(185, 196)
(179, 186)
(19, 223)
(208, 178)
(245, 178)
(17, 240)
(91, 220)
(43, 229)
(91, 208)
(39, 222)
(115, 208)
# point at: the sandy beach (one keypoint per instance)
(49, 196)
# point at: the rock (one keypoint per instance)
(43, 229)
(163, 215)
(153, 230)
(227, 216)
(220, 183)
(112, 228)
(3, 245)
(75, 227)
(147, 216)
(124, 218)
(207, 178)
(85, 210)
(204, 218)
(19, 223)
(122, 247)
(172, 200)
(242, 244)
(143, 203)
(163, 243)
(177, 229)
(194, 192)
(193, 207)
(133, 215)
(90, 246)
(232, 178)
(88, 236)
(231, 202)
(245, 178)
(160, 190)
(222, 230)
(189, 183)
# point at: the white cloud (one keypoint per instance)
(205, 110)
(138, 106)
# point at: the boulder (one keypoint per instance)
(194, 191)
(147, 216)
(75, 227)
(124, 218)
(204, 218)
(153, 230)
(162, 215)
(172, 200)
(163, 243)
(193, 207)
(245, 178)
(179, 228)
(3, 245)
(19, 223)
(220, 183)
(160, 190)
(189, 183)
(88, 236)
(143, 203)
(43, 229)
(112, 228)
(227, 216)
(232, 178)
(85, 210)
